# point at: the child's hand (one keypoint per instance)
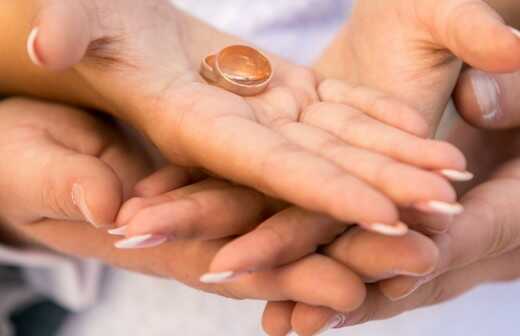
(140, 67)
(63, 164)
(414, 49)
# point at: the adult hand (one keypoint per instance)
(137, 60)
(63, 168)
(482, 244)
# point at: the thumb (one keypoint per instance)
(61, 34)
(80, 187)
(489, 100)
(476, 33)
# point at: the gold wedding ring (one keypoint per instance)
(242, 70)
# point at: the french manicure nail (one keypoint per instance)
(457, 175)
(487, 93)
(216, 278)
(399, 229)
(443, 208)
(336, 321)
(31, 47)
(120, 231)
(516, 32)
(140, 242)
(78, 199)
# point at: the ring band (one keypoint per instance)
(239, 69)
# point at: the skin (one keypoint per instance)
(152, 83)
(97, 156)
(439, 70)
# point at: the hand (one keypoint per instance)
(414, 50)
(143, 70)
(165, 217)
(481, 245)
(63, 164)
(288, 239)
(63, 167)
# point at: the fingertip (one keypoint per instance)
(443, 155)
(276, 319)
(478, 98)
(98, 199)
(311, 320)
(129, 209)
(61, 37)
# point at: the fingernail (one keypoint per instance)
(443, 208)
(487, 93)
(139, 242)
(335, 322)
(457, 175)
(399, 229)
(516, 32)
(120, 231)
(216, 278)
(78, 199)
(31, 47)
(418, 284)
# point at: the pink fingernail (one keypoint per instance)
(457, 175)
(140, 242)
(31, 47)
(335, 322)
(78, 198)
(443, 208)
(399, 229)
(120, 231)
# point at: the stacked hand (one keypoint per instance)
(353, 153)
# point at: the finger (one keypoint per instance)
(197, 214)
(276, 319)
(375, 104)
(458, 22)
(62, 33)
(489, 221)
(185, 261)
(310, 320)
(412, 254)
(428, 223)
(407, 186)
(488, 100)
(264, 159)
(358, 129)
(162, 181)
(70, 179)
(340, 289)
(287, 236)
(442, 289)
